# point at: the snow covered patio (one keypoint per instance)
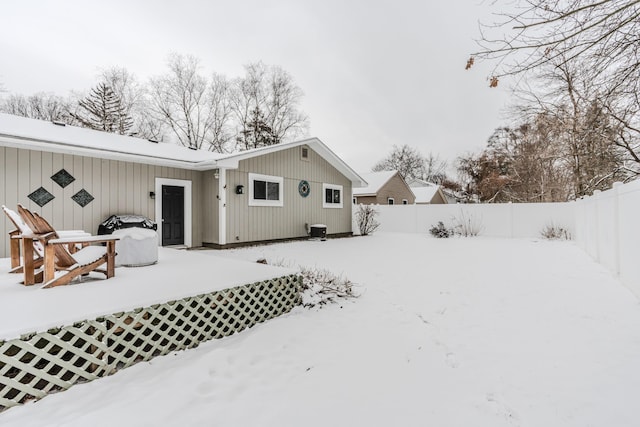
(178, 274)
(447, 332)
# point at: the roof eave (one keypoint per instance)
(232, 161)
(53, 147)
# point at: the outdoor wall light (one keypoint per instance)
(239, 189)
(216, 174)
(152, 194)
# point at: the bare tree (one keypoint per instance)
(148, 126)
(625, 111)
(131, 93)
(561, 150)
(42, 106)
(588, 125)
(175, 95)
(435, 169)
(265, 105)
(220, 113)
(406, 160)
(600, 34)
(283, 116)
(180, 99)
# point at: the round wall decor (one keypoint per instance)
(304, 188)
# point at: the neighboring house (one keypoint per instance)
(428, 192)
(385, 188)
(77, 177)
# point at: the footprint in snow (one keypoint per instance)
(452, 360)
(501, 409)
(205, 388)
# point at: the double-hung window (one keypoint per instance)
(265, 190)
(332, 196)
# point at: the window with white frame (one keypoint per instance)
(405, 202)
(390, 201)
(265, 190)
(332, 196)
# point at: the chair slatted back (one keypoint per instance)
(41, 226)
(24, 228)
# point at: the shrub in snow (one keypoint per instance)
(440, 231)
(366, 219)
(320, 287)
(554, 232)
(467, 225)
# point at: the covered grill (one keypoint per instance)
(118, 222)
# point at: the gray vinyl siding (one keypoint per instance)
(255, 223)
(117, 187)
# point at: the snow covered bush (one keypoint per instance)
(320, 287)
(440, 231)
(554, 232)
(366, 219)
(467, 225)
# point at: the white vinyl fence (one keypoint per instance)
(606, 225)
(494, 220)
(608, 228)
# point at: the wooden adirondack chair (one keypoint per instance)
(15, 241)
(15, 238)
(58, 257)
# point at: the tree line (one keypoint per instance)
(576, 125)
(214, 112)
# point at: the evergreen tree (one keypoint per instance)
(256, 132)
(103, 110)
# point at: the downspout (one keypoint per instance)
(222, 205)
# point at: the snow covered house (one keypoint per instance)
(77, 177)
(384, 188)
(428, 193)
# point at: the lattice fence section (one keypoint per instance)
(178, 325)
(37, 364)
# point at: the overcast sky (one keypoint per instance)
(374, 73)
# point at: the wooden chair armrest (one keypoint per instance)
(42, 237)
(83, 239)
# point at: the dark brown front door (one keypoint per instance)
(172, 215)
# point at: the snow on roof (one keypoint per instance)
(425, 194)
(416, 182)
(21, 132)
(376, 180)
(32, 134)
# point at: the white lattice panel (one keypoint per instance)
(37, 364)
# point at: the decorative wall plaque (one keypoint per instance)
(82, 197)
(41, 196)
(304, 188)
(62, 178)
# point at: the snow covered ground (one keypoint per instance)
(178, 274)
(447, 332)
